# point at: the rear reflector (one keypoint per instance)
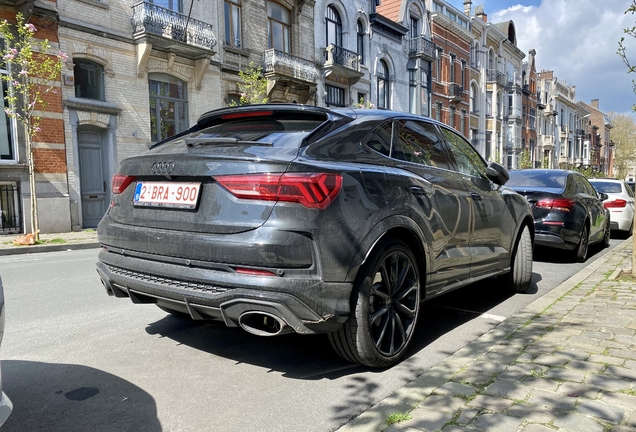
(562, 204)
(254, 272)
(120, 183)
(615, 204)
(309, 189)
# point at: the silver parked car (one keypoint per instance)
(5, 403)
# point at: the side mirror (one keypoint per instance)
(603, 196)
(497, 173)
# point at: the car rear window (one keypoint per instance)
(542, 179)
(607, 187)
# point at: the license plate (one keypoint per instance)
(167, 194)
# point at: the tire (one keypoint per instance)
(607, 235)
(584, 243)
(174, 312)
(385, 305)
(519, 277)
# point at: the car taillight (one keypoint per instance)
(562, 204)
(120, 183)
(615, 204)
(309, 189)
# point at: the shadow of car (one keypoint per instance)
(568, 212)
(289, 218)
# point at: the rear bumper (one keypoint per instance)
(303, 301)
(555, 237)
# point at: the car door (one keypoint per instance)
(439, 201)
(492, 225)
(596, 211)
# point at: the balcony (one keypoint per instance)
(546, 142)
(579, 132)
(422, 48)
(168, 30)
(287, 74)
(493, 75)
(342, 63)
(455, 92)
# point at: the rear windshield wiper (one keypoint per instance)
(191, 142)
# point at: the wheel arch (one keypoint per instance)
(398, 227)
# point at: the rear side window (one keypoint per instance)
(583, 186)
(607, 187)
(467, 159)
(417, 142)
(380, 139)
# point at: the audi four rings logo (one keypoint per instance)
(162, 167)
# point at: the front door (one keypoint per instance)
(92, 178)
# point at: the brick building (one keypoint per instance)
(49, 152)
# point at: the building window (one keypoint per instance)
(360, 39)
(335, 96)
(463, 83)
(511, 105)
(279, 27)
(413, 91)
(489, 104)
(474, 101)
(462, 120)
(7, 138)
(168, 106)
(424, 80)
(233, 23)
(451, 117)
(438, 111)
(174, 5)
(10, 211)
(89, 79)
(333, 29)
(452, 68)
(533, 117)
(384, 93)
(438, 65)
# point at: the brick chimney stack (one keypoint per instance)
(479, 12)
(594, 103)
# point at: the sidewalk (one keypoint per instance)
(567, 362)
(84, 239)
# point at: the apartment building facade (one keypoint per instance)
(529, 112)
(48, 146)
(601, 145)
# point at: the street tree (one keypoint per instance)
(622, 48)
(32, 74)
(623, 136)
(253, 86)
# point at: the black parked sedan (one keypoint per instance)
(290, 218)
(568, 212)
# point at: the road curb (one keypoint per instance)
(409, 396)
(21, 250)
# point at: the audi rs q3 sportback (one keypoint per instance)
(289, 218)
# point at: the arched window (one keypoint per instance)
(474, 98)
(278, 27)
(384, 94)
(360, 39)
(89, 79)
(491, 60)
(333, 28)
(168, 106)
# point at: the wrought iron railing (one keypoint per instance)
(494, 75)
(10, 213)
(150, 18)
(421, 46)
(281, 62)
(455, 90)
(343, 57)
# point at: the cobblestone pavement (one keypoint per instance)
(567, 362)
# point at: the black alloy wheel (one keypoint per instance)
(384, 310)
(518, 279)
(584, 243)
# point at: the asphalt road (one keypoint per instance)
(74, 359)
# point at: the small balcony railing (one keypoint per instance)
(421, 47)
(546, 140)
(494, 75)
(275, 61)
(455, 91)
(150, 18)
(342, 57)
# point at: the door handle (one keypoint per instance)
(418, 190)
(476, 196)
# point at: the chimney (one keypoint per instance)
(479, 12)
(467, 6)
(594, 103)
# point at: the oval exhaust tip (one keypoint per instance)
(262, 323)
